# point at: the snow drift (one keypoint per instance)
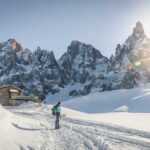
(135, 100)
(15, 130)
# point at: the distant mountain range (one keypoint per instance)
(40, 73)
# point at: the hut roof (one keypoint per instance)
(10, 86)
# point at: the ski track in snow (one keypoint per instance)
(77, 134)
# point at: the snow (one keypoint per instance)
(139, 121)
(112, 120)
(30, 126)
(63, 94)
(123, 108)
(136, 100)
(17, 132)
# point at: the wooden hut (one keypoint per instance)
(11, 95)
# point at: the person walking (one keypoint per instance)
(58, 115)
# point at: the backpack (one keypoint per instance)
(53, 110)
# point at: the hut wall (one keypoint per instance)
(4, 97)
(4, 92)
(13, 102)
(4, 101)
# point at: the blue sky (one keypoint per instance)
(53, 24)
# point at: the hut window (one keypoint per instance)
(14, 92)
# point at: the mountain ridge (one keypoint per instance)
(40, 73)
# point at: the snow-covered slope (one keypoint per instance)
(110, 131)
(17, 132)
(132, 100)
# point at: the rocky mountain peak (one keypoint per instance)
(139, 24)
(81, 62)
(11, 45)
(138, 31)
(51, 53)
(131, 57)
(11, 41)
(138, 34)
(75, 42)
(139, 27)
(77, 48)
(136, 42)
(44, 58)
(52, 63)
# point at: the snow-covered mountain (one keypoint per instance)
(36, 72)
(81, 62)
(82, 69)
(126, 69)
(132, 58)
(40, 73)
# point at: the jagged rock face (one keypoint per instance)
(44, 59)
(132, 55)
(10, 45)
(46, 64)
(130, 78)
(25, 56)
(10, 63)
(81, 62)
(135, 43)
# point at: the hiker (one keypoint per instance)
(58, 115)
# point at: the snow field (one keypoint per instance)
(18, 132)
(79, 134)
(131, 100)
